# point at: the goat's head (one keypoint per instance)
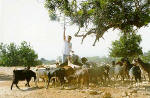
(84, 60)
(137, 61)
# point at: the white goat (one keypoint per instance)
(73, 65)
(43, 74)
(51, 66)
(117, 71)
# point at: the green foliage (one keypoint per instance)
(13, 55)
(97, 59)
(103, 14)
(146, 57)
(47, 62)
(127, 46)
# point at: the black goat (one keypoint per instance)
(136, 73)
(144, 66)
(20, 75)
(59, 73)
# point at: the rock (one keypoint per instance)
(130, 87)
(127, 97)
(133, 91)
(124, 94)
(130, 94)
(143, 93)
(100, 92)
(92, 92)
(58, 91)
(106, 95)
(82, 91)
(133, 94)
(147, 94)
(70, 88)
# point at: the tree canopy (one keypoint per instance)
(127, 46)
(22, 55)
(98, 16)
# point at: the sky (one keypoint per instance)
(28, 20)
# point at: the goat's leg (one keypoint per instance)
(61, 82)
(12, 85)
(28, 84)
(77, 82)
(144, 77)
(28, 80)
(87, 83)
(37, 79)
(122, 76)
(17, 85)
(46, 83)
(49, 79)
(149, 76)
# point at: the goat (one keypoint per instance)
(57, 73)
(81, 77)
(72, 65)
(42, 73)
(20, 75)
(117, 70)
(143, 66)
(135, 72)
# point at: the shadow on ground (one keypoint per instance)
(31, 88)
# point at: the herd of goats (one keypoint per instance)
(80, 76)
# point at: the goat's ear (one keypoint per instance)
(15, 68)
(47, 68)
(57, 63)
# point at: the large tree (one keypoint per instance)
(128, 46)
(98, 16)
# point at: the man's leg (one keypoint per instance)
(64, 58)
(64, 61)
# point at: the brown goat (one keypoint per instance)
(82, 77)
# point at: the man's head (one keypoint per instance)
(69, 38)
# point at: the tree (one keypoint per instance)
(45, 61)
(127, 46)
(97, 59)
(13, 55)
(28, 57)
(98, 16)
(146, 57)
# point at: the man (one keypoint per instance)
(67, 48)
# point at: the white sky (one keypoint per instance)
(28, 20)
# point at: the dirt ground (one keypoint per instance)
(112, 90)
